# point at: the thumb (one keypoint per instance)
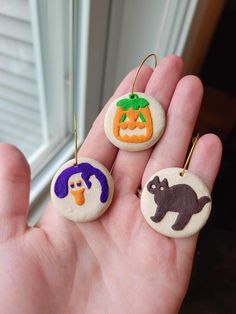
(14, 192)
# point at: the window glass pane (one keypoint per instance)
(35, 76)
(20, 122)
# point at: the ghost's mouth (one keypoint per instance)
(132, 133)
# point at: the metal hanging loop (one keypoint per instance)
(137, 73)
(194, 142)
(75, 140)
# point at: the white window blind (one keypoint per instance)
(20, 122)
(36, 77)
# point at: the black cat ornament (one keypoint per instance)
(175, 205)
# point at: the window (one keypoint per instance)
(58, 56)
(35, 77)
(21, 112)
(72, 61)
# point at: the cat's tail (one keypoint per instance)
(202, 202)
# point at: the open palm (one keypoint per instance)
(116, 264)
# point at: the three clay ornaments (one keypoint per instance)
(135, 121)
(174, 201)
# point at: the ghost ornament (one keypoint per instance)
(134, 122)
(175, 205)
(82, 192)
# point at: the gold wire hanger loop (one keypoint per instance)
(194, 142)
(137, 73)
(75, 140)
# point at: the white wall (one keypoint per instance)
(139, 27)
(140, 32)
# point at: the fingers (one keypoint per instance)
(181, 117)
(14, 191)
(205, 164)
(161, 86)
(206, 159)
(96, 145)
(164, 79)
(172, 149)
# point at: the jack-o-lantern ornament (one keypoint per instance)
(134, 122)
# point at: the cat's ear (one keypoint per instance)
(157, 180)
(165, 183)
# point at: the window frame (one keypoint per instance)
(48, 40)
(87, 84)
(96, 68)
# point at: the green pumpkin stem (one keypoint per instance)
(134, 102)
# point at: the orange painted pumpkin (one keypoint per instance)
(133, 121)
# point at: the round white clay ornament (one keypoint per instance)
(174, 205)
(134, 122)
(82, 192)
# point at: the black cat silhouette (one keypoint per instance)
(180, 198)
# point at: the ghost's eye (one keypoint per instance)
(72, 185)
(161, 188)
(153, 186)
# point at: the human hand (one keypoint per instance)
(117, 264)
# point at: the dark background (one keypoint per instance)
(213, 282)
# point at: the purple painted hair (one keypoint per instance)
(86, 170)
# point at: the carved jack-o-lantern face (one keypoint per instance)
(133, 121)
